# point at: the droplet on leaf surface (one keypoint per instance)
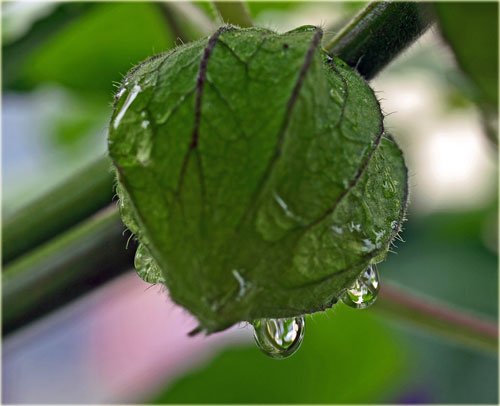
(364, 291)
(279, 338)
(146, 267)
(257, 194)
(130, 98)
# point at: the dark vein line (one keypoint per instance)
(315, 42)
(328, 277)
(202, 179)
(359, 173)
(257, 48)
(235, 55)
(295, 94)
(200, 85)
(353, 182)
(345, 87)
(222, 98)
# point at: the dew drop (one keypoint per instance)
(130, 98)
(243, 284)
(146, 267)
(279, 338)
(286, 209)
(337, 229)
(304, 28)
(120, 92)
(364, 291)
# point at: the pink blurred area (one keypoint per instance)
(121, 343)
(138, 339)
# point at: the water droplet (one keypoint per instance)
(354, 227)
(369, 246)
(120, 93)
(130, 98)
(126, 210)
(379, 234)
(364, 291)
(304, 28)
(243, 284)
(337, 229)
(279, 338)
(146, 267)
(286, 209)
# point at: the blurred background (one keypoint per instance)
(126, 342)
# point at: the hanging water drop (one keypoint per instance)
(146, 267)
(279, 338)
(130, 98)
(364, 291)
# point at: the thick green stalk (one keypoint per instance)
(92, 188)
(186, 21)
(87, 192)
(378, 33)
(73, 201)
(66, 267)
(172, 21)
(234, 12)
(439, 318)
(94, 252)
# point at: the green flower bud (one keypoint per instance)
(254, 170)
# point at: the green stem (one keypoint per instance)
(90, 253)
(172, 21)
(73, 201)
(89, 191)
(437, 317)
(94, 252)
(92, 188)
(68, 266)
(378, 33)
(186, 21)
(234, 12)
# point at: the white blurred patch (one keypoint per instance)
(455, 165)
(451, 163)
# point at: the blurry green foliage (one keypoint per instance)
(95, 51)
(445, 256)
(449, 256)
(83, 117)
(257, 7)
(471, 28)
(207, 8)
(347, 356)
(22, 35)
(472, 31)
(350, 356)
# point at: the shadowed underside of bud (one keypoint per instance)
(255, 172)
